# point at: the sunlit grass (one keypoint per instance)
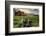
(33, 18)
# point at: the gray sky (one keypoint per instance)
(28, 11)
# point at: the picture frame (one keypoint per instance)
(37, 10)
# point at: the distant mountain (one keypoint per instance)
(20, 13)
(24, 12)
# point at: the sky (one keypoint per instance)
(28, 11)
